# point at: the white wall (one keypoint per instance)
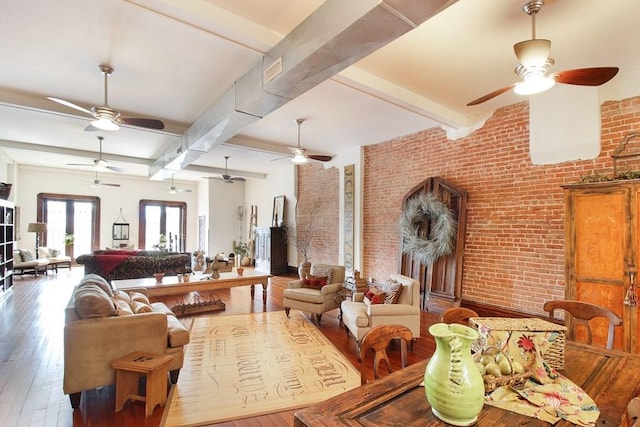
(224, 222)
(261, 193)
(33, 180)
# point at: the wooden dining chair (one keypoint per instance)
(459, 315)
(582, 313)
(378, 339)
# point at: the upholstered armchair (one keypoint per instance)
(359, 316)
(312, 298)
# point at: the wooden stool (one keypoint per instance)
(128, 370)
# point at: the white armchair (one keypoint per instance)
(359, 317)
(313, 300)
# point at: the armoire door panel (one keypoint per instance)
(601, 233)
(607, 295)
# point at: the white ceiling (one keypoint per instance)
(173, 59)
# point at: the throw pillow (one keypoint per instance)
(54, 252)
(26, 255)
(374, 295)
(393, 289)
(322, 271)
(43, 252)
(139, 297)
(17, 257)
(122, 307)
(122, 296)
(315, 282)
(91, 301)
(139, 307)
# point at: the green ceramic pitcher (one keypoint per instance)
(452, 381)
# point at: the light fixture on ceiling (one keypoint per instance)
(299, 157)
(104, 123)
(534, 79)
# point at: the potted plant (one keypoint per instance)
(240, 250)
(160, 254)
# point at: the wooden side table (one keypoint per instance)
(128, 371)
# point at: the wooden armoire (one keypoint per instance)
(602, 250)
(441, 281)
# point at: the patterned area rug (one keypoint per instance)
(240, 366)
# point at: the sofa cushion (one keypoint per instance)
(311, 295)
(90, 301)
(178, 334)
(98, 281)
(26, 255)
(322, 272)
(160, 307)
(17, 257)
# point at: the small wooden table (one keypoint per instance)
(128, 370)
(611, 378)
(171, 286)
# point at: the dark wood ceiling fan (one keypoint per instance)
(105, 117)
(535, 64)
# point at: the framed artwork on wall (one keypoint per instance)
(278, 211)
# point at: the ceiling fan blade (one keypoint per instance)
(70, 105)
(237, 178)
(586, 76)
(490, 95)
(183, 190)
(80, 164)
(110, 185)
(115, 168)
(143, 123)
(319, 157)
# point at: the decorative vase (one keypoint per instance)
(452, 382)
(239, 270)
(159, 277)
(246, 261)
(304, 269)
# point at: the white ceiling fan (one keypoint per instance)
(100, 163)
(535, 63)
(105, 117)
(299, 153)
(98, 183)
(226, 178)
(173, 189)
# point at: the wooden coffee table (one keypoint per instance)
(171, 286)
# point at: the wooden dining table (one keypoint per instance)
(610, 377)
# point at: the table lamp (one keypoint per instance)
(37, 227)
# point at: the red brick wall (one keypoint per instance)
(318, 190)
(514, 254)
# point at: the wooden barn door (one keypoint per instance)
(441, 281)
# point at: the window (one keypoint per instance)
(166, 218)
(70, 215)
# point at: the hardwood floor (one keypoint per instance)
(31, 355)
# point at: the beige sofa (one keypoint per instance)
(359, 317)
(316, 301)
(97, 331)
(55, 258)
(25, 263)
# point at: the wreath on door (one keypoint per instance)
(441, 239)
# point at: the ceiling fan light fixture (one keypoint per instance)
(299, 159)
(534, 83)
(533, 53)
(104, 124)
